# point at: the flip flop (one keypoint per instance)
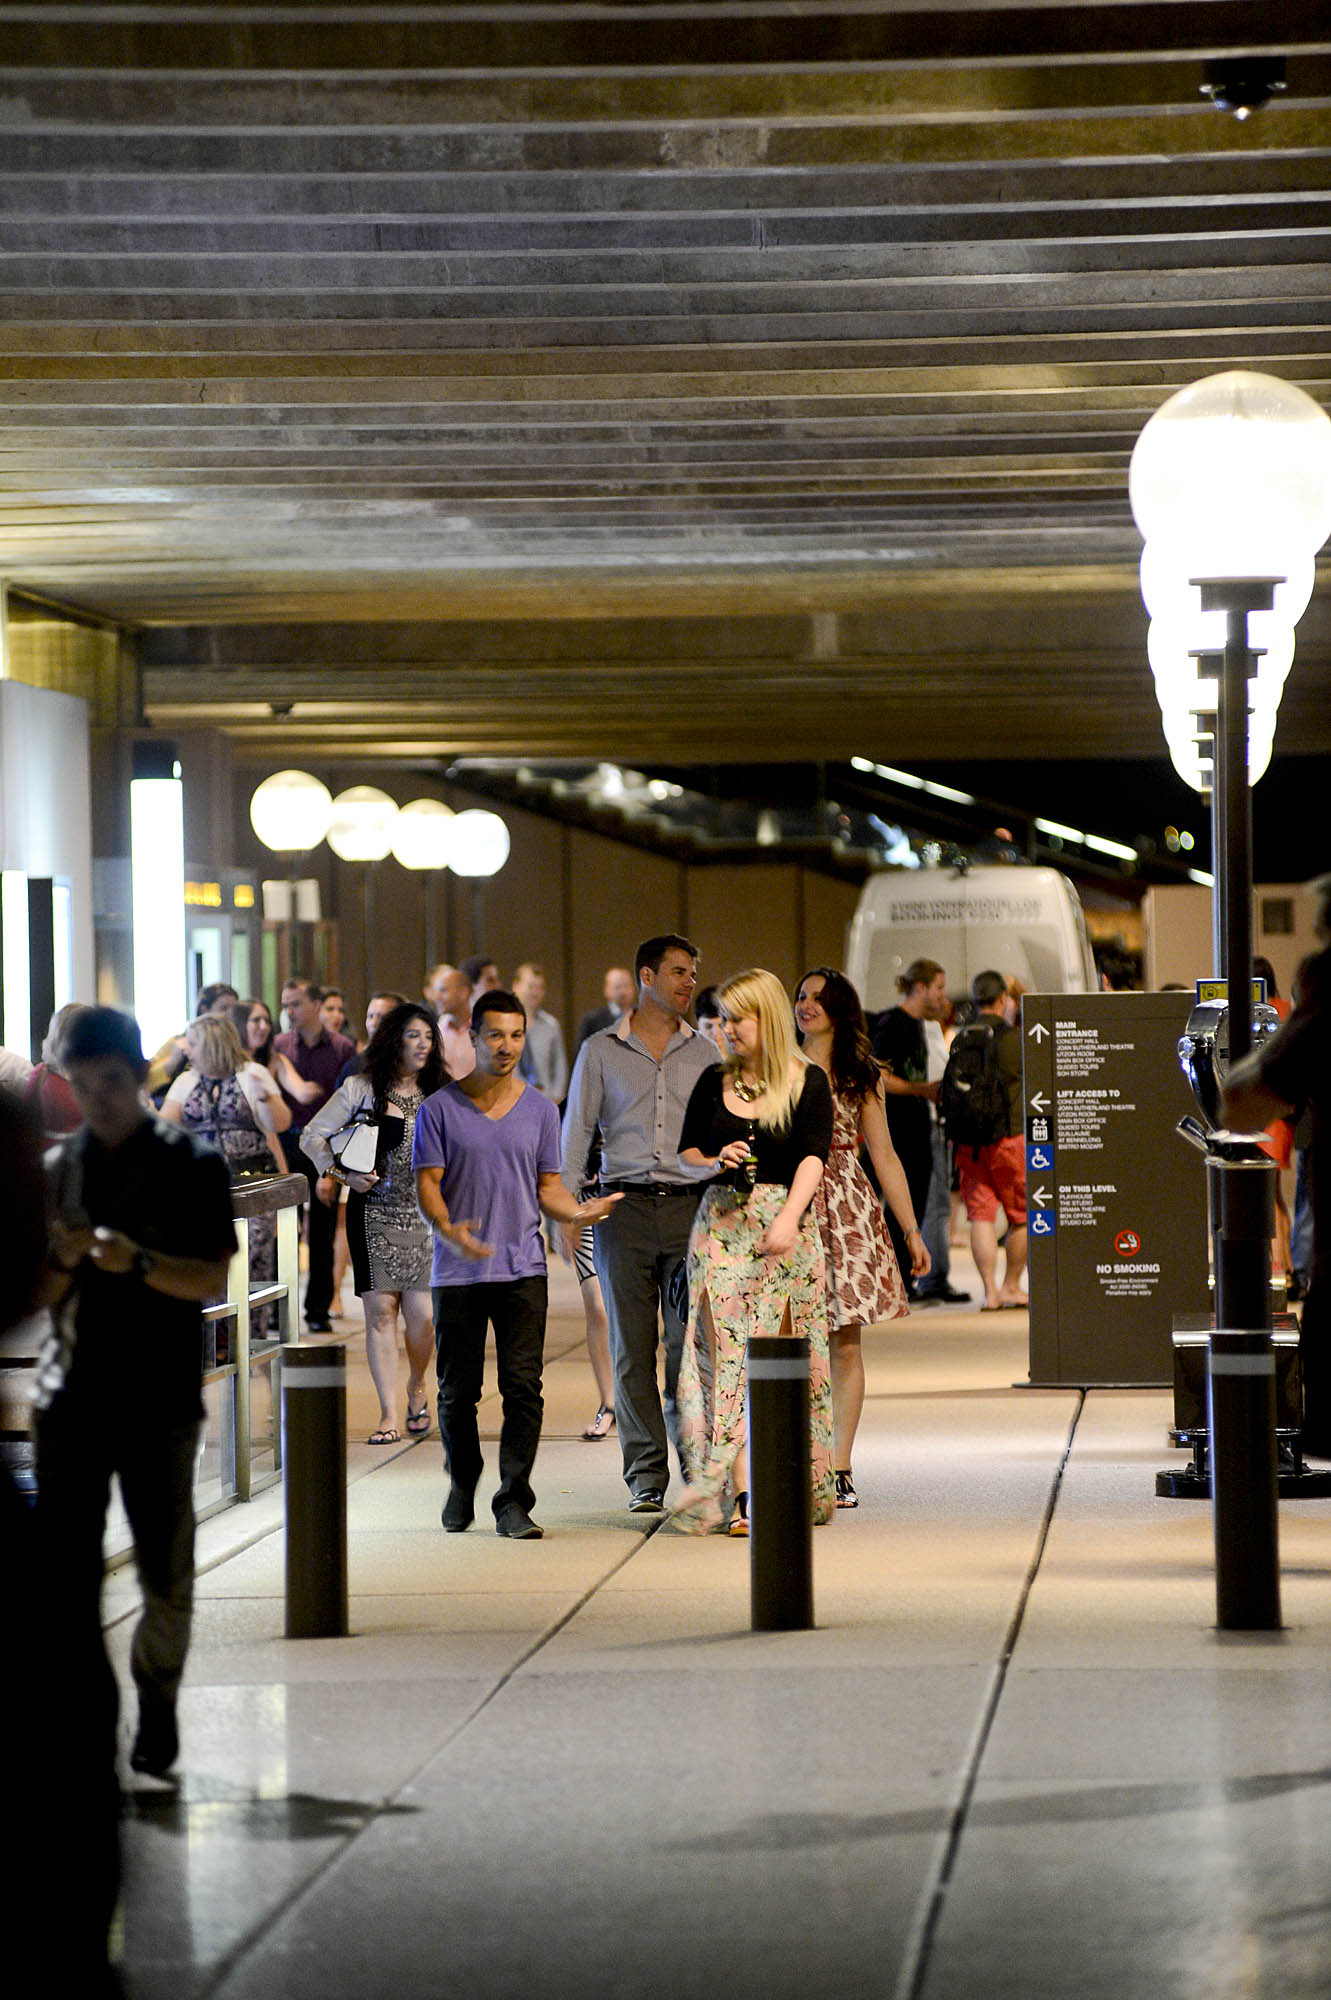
(601, 1425)
(387, 1435)
(419, 1423)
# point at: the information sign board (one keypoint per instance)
(1116, 1201)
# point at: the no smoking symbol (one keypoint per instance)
(1127, 1243)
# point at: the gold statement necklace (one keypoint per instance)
(747, 1093)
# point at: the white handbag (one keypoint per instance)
(355, 1145)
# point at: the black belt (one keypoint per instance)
(654, 1188)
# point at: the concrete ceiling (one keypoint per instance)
(696, 382)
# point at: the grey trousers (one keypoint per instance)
(936, 1222)
(637, 1248)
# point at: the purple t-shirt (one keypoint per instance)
(491, 1169)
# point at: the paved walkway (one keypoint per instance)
(1014, 1759)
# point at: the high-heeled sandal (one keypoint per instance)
(739, 1520)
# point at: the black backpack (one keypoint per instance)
(973, 1103)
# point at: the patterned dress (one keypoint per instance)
(217, 1109)
(863, 1277)
(389, 1239)
(747, 1295)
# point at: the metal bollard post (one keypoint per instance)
(780, 1487)
(1241, 1397)
(314, 1424)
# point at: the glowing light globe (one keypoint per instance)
(1232, 466)
(291, 811)
(478, 844)
(361, 828)
(423, 833)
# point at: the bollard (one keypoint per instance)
(314, 1459)
(1241, 1397)
(780, 1487)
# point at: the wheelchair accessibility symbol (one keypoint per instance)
(1042, 1224)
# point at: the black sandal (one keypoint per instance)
(601, 1425)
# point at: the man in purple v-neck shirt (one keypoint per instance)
(486, 1155)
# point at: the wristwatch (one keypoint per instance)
(144, 1261)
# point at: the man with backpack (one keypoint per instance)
(981, 1107)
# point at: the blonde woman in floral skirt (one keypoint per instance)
(763, 1122)
(864, 1283)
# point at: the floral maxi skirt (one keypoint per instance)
(747, 1295)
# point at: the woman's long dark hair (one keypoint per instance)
(240, 1020)
(851, 1065)
(383, 1057)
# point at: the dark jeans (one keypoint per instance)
(320, 1229)
(77, 1452)
(637, 1248)
(516, 1309)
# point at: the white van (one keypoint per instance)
(1026, 923)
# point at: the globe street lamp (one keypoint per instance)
(478, 848)
(422, 839)
(361, 829)
(1230, 484)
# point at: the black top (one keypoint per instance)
(139, 1354)
(709, 1126)
(898, 1041)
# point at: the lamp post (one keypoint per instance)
(478, 848)
(422, 837)
(1230, 485)
(291, 812)
(361, 829)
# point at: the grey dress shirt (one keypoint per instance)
(637, 1104)
(544, 1062)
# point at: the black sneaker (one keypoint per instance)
(157, 1744)
(319, 1324)
(459, 1511)
(647, 1502)
(846, 1496)
(517, 1525)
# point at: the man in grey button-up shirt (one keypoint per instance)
(631, 1084)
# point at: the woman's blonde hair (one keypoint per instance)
(217, 1046)
(781, 1065)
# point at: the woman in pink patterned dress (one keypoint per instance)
(863, 1282)
(761, 1123)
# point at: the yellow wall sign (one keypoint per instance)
(1218, 989)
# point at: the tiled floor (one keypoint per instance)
(1004, 1764)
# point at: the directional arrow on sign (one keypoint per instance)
(1040, 1196)
(1039, 1102)
(1039, 1032)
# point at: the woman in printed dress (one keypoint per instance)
(863, 1280)
(234, 1104)
(762, 1122)
(391, 1243)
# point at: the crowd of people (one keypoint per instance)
(708, 1179)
